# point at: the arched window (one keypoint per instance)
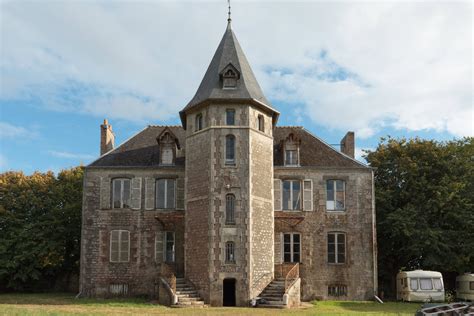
(230, 150)
(230, 252)
(198, 122)
(230, 209)
(261, 123)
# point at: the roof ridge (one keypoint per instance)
(153, 125)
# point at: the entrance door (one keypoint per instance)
(229, 292)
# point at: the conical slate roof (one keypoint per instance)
(228, 52)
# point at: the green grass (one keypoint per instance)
(66, 304)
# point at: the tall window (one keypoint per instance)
(230, 117)
(291, 195)
(230, 149)
(230, 209)
(261, 123)
(169, 246)
(291, 157)
(119, 246)
(229, 252)
(336, 248)
(165, 193)
(291, 247)
(121, 193)
(335, 195)
(198, 122)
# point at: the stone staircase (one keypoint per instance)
(272, 295)
(187, 295)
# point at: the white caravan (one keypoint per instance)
(465, 287)
(420, 286)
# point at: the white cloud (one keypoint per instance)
(406, 65)
(8, 130)
(68, 155)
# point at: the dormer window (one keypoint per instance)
(291, 151)
(229, 77)
(168, 144)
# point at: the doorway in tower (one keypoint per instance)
(229, 292)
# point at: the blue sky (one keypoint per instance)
(378, 68)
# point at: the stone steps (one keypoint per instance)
(187, 295)
(272, 295)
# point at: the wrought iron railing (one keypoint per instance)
(292, 275)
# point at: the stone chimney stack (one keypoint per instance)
(348, 144)
(107, 137)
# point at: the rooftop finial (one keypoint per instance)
(228, 19)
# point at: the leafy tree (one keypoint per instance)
(424, 206)
(40, 220)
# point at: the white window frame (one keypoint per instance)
(292, 245)
(165, 194)
(334, 208)
(165, 242)
(336, 247)
(293, 156)
(120, 253)
(121, 180)
(291, 195)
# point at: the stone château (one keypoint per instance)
(228, 206)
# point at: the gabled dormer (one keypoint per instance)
(291, 151)
(168, 144)
(229, 77)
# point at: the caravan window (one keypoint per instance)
(425, 284)
(414, 284)
(437, 284)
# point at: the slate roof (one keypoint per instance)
(228, 51)
(142, 150)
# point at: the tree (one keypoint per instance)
(40, 220)
(424, 206)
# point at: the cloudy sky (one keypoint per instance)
(399, 68)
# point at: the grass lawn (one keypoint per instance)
(66, 304)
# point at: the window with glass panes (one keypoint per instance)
(230, 149)
(230, 209)
(335, 195)
(165, 193)
(291, 247)
(291, 195)
(230, 117)
(169, 246)
(291, 157)
(121, 193)
(119, 246)
(230, 252)
(198, 122)
(336, 247)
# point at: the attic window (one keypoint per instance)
(229, 76)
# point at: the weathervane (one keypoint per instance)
(229, 19)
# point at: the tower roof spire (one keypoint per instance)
(228, 15)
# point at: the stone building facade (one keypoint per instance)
(228, 206)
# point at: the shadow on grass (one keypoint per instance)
(68, 299)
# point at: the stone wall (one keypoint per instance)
(358, 272)
(139, 276)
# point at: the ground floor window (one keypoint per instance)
(169, 247)
(336, 247)
(119, 246)
(291, 247)
(229, 252)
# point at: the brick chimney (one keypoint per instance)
(107, 137)
(348, 144)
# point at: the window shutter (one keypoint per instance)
(180, 193)
(149, 193)
(114, 246)
(159, 246)
(277, 194)
(136, 201)
(125, 246)
(105, 188)
(307, 195)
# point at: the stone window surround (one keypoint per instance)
(338, 231)
(229, 252)
(227, 112)
(230, 200)
(198, 122)
(335, 210)
(120, 231)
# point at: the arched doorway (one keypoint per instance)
(228, 298)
